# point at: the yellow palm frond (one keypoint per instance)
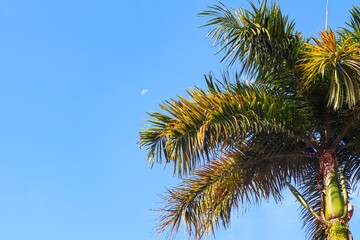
(333, 65)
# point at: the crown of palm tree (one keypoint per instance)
(238, 143)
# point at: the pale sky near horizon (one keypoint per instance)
(73, 75)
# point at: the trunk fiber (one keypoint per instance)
(338, 230)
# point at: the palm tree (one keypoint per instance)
(294, 124)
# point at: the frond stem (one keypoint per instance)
(345, 129)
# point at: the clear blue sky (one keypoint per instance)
(71, 76)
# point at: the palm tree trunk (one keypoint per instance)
(334, 204)
(339, 230)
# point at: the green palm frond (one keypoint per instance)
(303, 202)
(353, 26)
(355, 19)
(334, 65)
(261, 39)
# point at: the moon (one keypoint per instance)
(144, 91)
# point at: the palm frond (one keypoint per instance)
(335, 66)
(352, 170)
(261, 39)
(224, 115)
(217, 119)
(352, 31)
(347, 122)
(205, 201)
(303, 202)
(310, 188)
(355, 19)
